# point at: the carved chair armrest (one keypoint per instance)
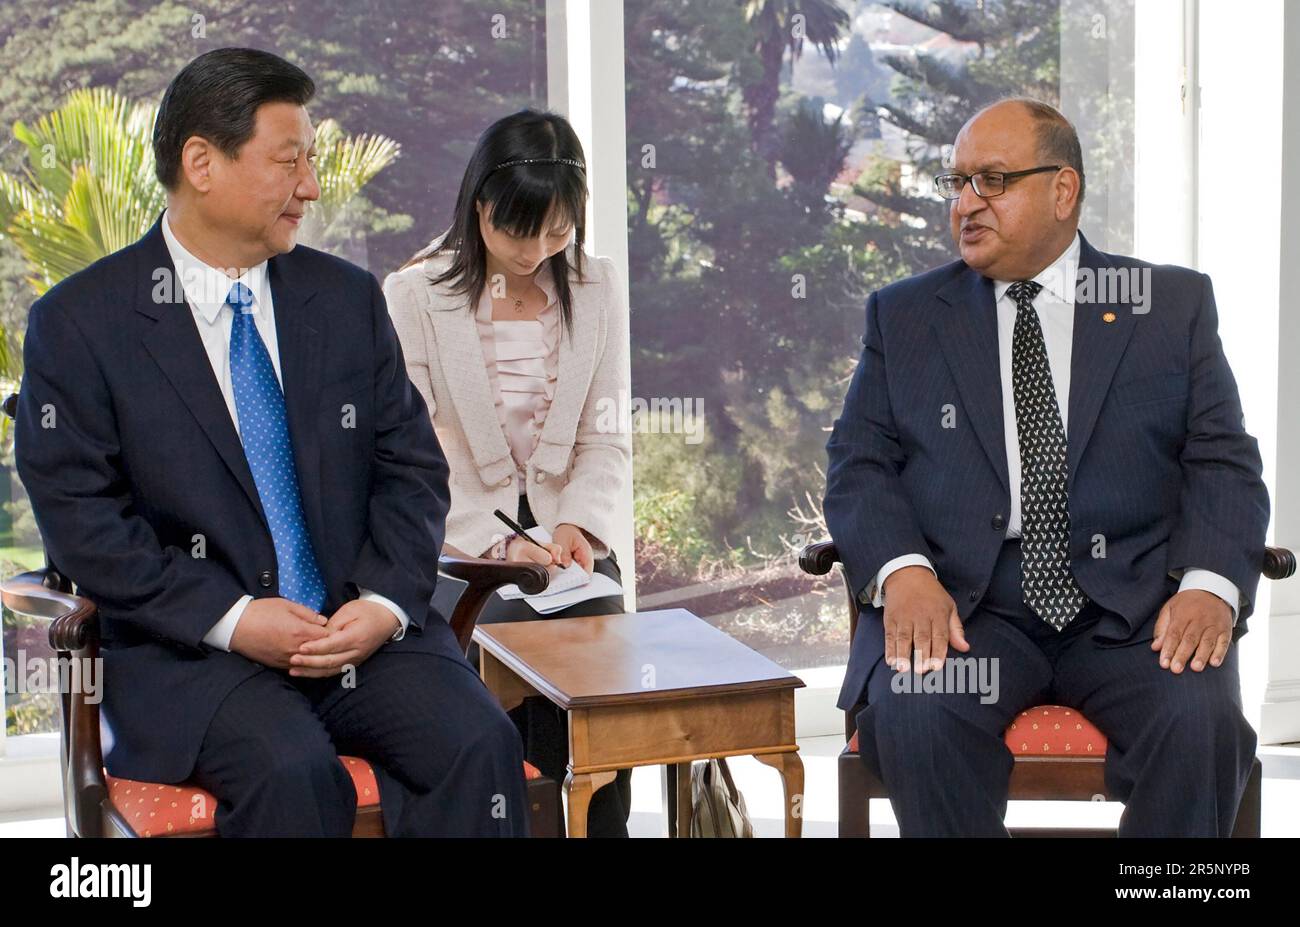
(74, 634)
(485, 577)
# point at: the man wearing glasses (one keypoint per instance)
(1054, 479)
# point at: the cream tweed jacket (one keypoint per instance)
(583, 458)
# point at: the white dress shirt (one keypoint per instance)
(1055, 307)
(206, 289)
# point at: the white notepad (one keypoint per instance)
(567, 587)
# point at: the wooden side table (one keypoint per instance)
(648, 689)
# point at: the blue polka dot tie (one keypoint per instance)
(264, 429)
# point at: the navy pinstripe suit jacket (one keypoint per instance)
(1160, 463)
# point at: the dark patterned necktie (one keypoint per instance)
(1048, 585)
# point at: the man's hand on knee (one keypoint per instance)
(1193, 627)
(921, 620)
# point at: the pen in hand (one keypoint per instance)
(515, 527)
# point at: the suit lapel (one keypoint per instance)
(967, 329)
(299, 342)
(577, 358)
(1097, 346)
(461, 355)
(176, 347)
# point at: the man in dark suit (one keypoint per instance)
(223, 450)
(1042, 464)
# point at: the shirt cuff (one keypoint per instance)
(875, 593)
(403, 619)
(1209, 581)
(220, 634)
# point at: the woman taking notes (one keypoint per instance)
(518, 342)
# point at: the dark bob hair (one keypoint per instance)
(523, 167)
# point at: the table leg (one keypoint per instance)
(684, 807)
(669, 783)
(579, 789)
(791, 769)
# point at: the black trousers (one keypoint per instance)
(447, 759)
(1180, 749)
(543, 726)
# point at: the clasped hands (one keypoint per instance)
(282, 634)
(1193, 628)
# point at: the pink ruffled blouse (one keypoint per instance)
(522, 357)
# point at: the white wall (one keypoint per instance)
(584, 73)
(1239, 166)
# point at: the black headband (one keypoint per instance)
(570, 161)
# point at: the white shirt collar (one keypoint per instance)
(1058, 278)
(205, 286)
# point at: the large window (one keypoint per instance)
(779, 163)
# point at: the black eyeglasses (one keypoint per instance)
(985, 183)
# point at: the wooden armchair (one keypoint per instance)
(1038, 773)
(99, 805)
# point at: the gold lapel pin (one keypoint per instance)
(1108, 317)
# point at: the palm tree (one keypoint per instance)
(812, 149)
(88, 187)
(776, 30)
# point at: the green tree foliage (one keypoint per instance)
(748, 277)
(1014, 49)
(88, 186)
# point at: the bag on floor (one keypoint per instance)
(718, 808)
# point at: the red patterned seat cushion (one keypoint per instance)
(1054, 730)
(1046, 730)
(154, 809)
